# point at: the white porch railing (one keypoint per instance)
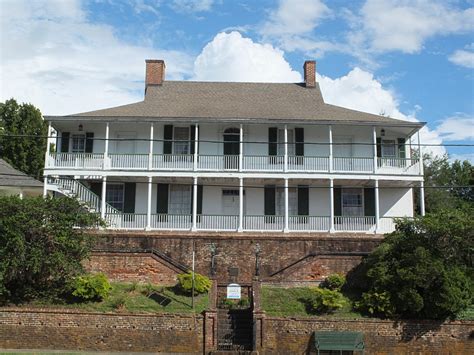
(263, 223)
(218, 162)
(308, 223)
(172, 162)
(398, 166)
(171, 221)
(263, 162)
(217, 222)
(356, 224)
(76, 160)
(126, 221)
(129, 161)
(304, 163)
(353, 164)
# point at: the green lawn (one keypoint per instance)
(287, 302)
(132, 297)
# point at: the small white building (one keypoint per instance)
(14, 182)
(222, 156)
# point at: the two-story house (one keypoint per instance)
(226, 156)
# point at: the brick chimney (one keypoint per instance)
(310, 73)
(155, 72)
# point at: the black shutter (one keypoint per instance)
(272, 141)
(65, 142)
(401, 148)
(199, 200)
(167, 139)
(96, 187)
(193, 136)
(129, 197)
(303, 201)
(379, 147)
(269, 200)
(369, 201)
(337, 201)
(299, 141)
(162, 198)
(89, 142)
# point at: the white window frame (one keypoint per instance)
(115, 203)
(389, 143)
(361, 207)
(184, 204)
(76, 137)
(186, 143)
(292, 201)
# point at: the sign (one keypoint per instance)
(233, 291)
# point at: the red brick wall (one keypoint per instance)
(293, 336)
(46, 329)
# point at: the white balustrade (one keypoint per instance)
(75, 160)
(398, 166)
(125, 220)
(263, 162)
(308, 223)
(171, 221)
(263, 223)
(354, 224)
(308, 163)
(218, 162)
(173, 162)
(218, 222)
(129, 161)
(353, 164)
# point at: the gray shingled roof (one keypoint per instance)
(234, 101)
(9, 176)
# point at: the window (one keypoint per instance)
(181, 140)
(180, 199)
(352, 202)
(389, 148)
(281, 142)
(114, 195)
(292, 201)
(78, 143)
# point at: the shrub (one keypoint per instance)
(119, 302)
(91, 287)
(376, 303)
(334, 282)
(325, 301)
(202, 284)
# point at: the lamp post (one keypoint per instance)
(257, 255)
(213, 248)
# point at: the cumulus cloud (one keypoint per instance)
(464, 58)
(231, 57)
(457, 128)
(53, 57)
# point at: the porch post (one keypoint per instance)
(241, 147)
(377, 206)
(45, 186)
(374, 146)
(106, 146)
(196, 145)
(330, 149)
(422, 198)
(148, 207)
(331, 205)
(286, 149)
(195, 192)
(102, 199)
(150, 152)
(286, 229)
(420, 154)
(46, 156)
(241, 204)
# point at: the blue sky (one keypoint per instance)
(410, 59)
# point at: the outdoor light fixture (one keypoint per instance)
(80, 127)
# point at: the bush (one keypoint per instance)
(334, 282)
(91, 287)
(325, 301)
(376, 303)
(202, 284)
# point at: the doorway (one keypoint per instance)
(231, 148)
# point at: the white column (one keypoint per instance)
(241, 147)
(286, 229)
(286, 148)
(150, 151)
(102, 199)
(45, 186)
(422, 198)
(20, 195)
(377, 206)
(148, 207)
(331, 205)
(106, 146)
(195, 190)
(374, 147)
(46, 156)
(241, 204)
(196, 146)
(330, 149)
(420, 153)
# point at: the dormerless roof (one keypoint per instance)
(9, 176)
(175, 100)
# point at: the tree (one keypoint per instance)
(424, 269)
(40, 248)
(24, 153)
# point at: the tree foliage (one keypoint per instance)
(423, 269)
(324, 300)
(95, 287)
(24, 153)
(202, 284)
(40, 250)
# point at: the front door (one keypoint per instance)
(231, 148)
(230, 202)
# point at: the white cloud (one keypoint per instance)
(192, 5)
(404, 25)
(359, 90)
(463, 58)
(53, 57)
(231, 57)
(457, 128)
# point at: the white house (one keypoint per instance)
(224, 156)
